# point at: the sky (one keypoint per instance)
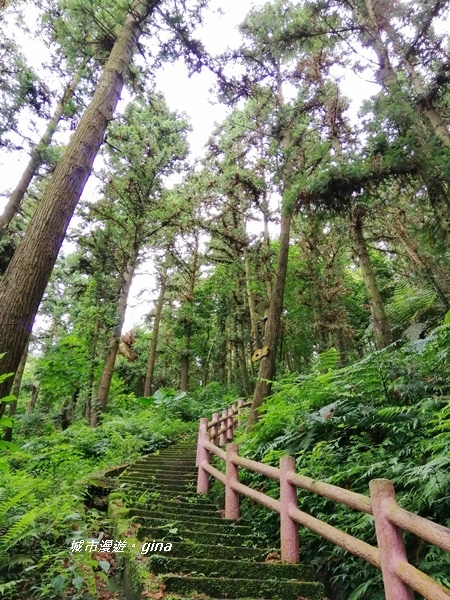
(189, 95)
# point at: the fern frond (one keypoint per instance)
(21, 530)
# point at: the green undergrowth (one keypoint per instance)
(387, 416)
(43, 489)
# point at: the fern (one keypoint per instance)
(22, 530)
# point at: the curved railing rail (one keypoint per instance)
(400, 577)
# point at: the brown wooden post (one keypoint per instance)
(198, 442)
(223, 428)
(233, 417)
(232, 474)
(390, 540)
(230, 424)
(239, 411)
(215, 418)
(202, 456)
(288, 527)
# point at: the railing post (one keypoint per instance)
(215, 418)
(202, 455)
(288, 527)
(230, 424)
(233, 417)
(232, 474)
(239, 411)
(390, 540)
(223, 428)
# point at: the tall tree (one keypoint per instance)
(24, 283)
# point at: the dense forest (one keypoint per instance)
(302, 262)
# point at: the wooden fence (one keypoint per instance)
(400, 578)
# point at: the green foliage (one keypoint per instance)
(385, 416)
(39, 525)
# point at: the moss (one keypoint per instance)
(256, 588)
(230, 568)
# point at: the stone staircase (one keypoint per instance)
(210, 557)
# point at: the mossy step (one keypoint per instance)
(177, 506)
(169, 465)
(241, 588)
(188, 453)
(230, 568)
(194, 525)
(184, 549)
(175, 509)
(167, 480)
(189, 470)
(161, 475)
(172, 533)
(155, 482)
(174, 516)
(168, 495)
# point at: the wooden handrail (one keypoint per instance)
(431, 532)
(400, 578)
(332, 492)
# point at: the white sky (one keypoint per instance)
(182, 94)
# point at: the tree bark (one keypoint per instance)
(154, 343)
(33, 400)
(93, 357)
(26, 278)
(267, 363)
(15, 392)
(13, 205)
(121, 308)
(251, 303)
(185, 353)
(382, 331)
(240, 346)
(399, 231)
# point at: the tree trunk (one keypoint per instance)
(185, 354)
(13, 205)
(399, 231)
(240, 347)
(251, 303)
(93, 357)
(33, 400)
(154, 343)
(382, 331)
(267, 363)
(108, 369)
(15, 392)
(26, 278)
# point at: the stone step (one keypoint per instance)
(156, 487)
(178, 506)
(174, 516)
(163, 479)
(186, 472)
(168, 534)
(174, 509)
(230, 568)
(193, 525)
(168, 495)
(242, 588)
(162, 475)
(183, 549)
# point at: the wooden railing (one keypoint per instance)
(400, 577)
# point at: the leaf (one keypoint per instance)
(104, 565)
(146, 401)
(77, 582)
(9, 446)
(9, 398)
(59, 582)
(447, 318)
